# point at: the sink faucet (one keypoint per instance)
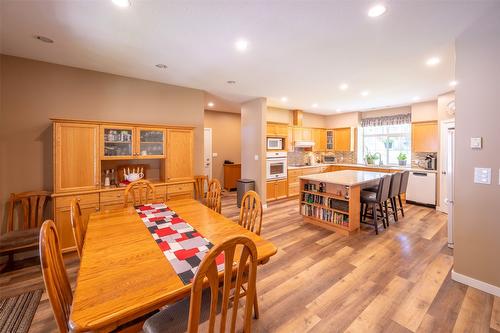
(379, 158)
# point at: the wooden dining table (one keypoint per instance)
(123, 272)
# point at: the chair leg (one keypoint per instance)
(381, 208)
(375, 222)
(256, 306)
(394, 209)
(401, 205)
(386, 206)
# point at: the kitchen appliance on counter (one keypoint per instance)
(275, 143)
(329, 159)
(276, 165)
(430, 162)
(422, 188)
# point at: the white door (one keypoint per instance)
(207, 157)
(446, 126)
(450, 174)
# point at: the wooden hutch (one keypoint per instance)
(83, 150)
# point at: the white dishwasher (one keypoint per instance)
(422, 187)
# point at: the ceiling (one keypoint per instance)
(299, 49)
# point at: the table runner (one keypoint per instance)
(181, 244)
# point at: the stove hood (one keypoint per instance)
(304, 144)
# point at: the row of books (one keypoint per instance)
(326, 201)
(325, 215)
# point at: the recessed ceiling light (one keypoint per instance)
(365, 93)
(343, 86)
(122, 3)
(453, 83)
(241, 45)
(44, 39)
(314, 105)
(416, 98)
(338, 110)
(284, 99)
(231, 82)
(161, 66)
(210, 104)
(433, 61)
(377, 10)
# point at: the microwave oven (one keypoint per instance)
(274, 143)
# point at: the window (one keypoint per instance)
(387, 140)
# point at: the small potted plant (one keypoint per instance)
(388, 143)
(371, 158)
(402, 159)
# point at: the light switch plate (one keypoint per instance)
(482, 176)
(215, 154)
(476, 143)
(256, 157)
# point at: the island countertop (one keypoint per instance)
(346, 177)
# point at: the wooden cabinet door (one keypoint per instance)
(342, 139)
(322, 140)
(307, 134)
(297, 134)
(329, 140)
(150, 142)
(281, 189)
(118, 142)
(281, 130)
(271, 190)
(77, 166)
(289, 141)
(425, 137)
(179, 154)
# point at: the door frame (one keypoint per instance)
(443, 182)
(207, 133)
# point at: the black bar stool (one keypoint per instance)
(402, 189)
(375, 201)
(393, 195)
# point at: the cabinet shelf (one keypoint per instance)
(127, 142)
(327, 195)
(325, 207)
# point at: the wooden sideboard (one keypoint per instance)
(232, 172)
(84, 149)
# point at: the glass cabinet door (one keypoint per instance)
(117, 142)
(151, 143)
(329, 140)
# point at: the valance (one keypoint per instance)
(397, 119)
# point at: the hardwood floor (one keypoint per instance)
(398, 281)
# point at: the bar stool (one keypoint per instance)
(402, 189)
(375, 201)
(393, 194)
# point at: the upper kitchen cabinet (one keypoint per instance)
(179, 154)
(76, 157)
(319, 138)
(302, 134)
(342, 139)
(329, 140)
(277, 129)
(425, 137)
(289, 141)
(123, 142)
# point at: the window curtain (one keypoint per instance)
(398, 119)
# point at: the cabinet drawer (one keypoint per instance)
(293, 189)
(311, 171)
(179, 188)
(112, 196)
(176, 196)
(84, 199)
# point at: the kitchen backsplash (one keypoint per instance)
(304, 157)
(418, 159)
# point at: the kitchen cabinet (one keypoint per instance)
(289, 140)
(342, 139)
(425, 137)
(76, 157)
(329, 140)
(179, 154)
(302, 134)
(232, 172)
(276, 129)
(127, 142)
(319, 138)
(276, 189)
(180, 191)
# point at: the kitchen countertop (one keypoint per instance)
(346, 177)
(371, 166)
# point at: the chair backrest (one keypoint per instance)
(214, 195)
(32, 205)
(79, 228)
(404, 182)
(251, 212)
(383, 188)
(199, 187)
(395, 184)
(54, 275)
(142, 192)
(245, 272)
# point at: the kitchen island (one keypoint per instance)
(332, 200)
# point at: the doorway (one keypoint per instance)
(207, 152)
(447, 174)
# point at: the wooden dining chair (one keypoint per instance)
(239, 267)
(79, 228)
(199, 187)
(142, 192)
(214, 195)
(24, 217)
(251, 212)
(54, 275)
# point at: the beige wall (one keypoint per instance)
(285, 116)
(253, 143)
(477, 219)
(442, 106)
(424, 111)
(313, 120)
(33, 91)
(340, 120)
(226, 139)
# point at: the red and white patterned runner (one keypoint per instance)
(181, 244)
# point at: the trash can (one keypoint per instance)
(242, 186)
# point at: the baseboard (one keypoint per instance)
(483, 286)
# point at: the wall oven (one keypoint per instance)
(274, 143)
(276, 165)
